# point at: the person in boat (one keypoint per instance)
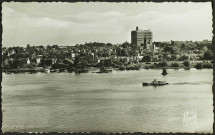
(154, 82)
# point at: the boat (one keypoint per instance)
(62, 70)
(32, 71)
(47, 70)
(70, 70)
(155, 83)
(81, 71)
(164, 72)
(103, 70)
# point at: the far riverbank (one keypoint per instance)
(137, 66)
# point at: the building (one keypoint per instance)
(49, 61)
(141, 37)
(107, 62)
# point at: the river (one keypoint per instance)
(113, 102)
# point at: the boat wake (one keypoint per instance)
(191, 83)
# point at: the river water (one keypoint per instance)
(113, 102)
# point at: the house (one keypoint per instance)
(121, 58)
(28, 61)
(139, 57)
(93, 61)
(35, 59)
(107, 62)
(134, 59)
(177, 56)
(73, 55)
(193, 57)
(11, 52)
(155, 58)
(91, 55)
(38, 58)
(19, 63)
(49, 61)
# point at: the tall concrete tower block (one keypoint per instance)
(141, 37)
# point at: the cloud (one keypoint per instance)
(88, 17)
(58, 23)
(48, 22)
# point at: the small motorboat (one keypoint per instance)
(100, 72)
(81, 71)
(103, 70)
(155, 83)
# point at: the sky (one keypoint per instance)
(76, 23)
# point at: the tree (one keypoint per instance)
(81, 64)
(99, 53)
(113, 53)
(48, 47)
(55, 46)
(207, 65)
(160, 57)
(208, 55)
(163, 64)
(173, 57)
(199, 66)
(175, 65)
(28, 46)
(124, 52)
(186, 63)
(106, 53)
(172, 42)
(59, 65)
(125, 45)
(183, 46)
(183, 57)
(146, 58)
(169, 49)
(32, 66)
(134, 52)
(76, 60)
(122, 67)
(109, 44)
(166, 55)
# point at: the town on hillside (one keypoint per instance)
(142, 52)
